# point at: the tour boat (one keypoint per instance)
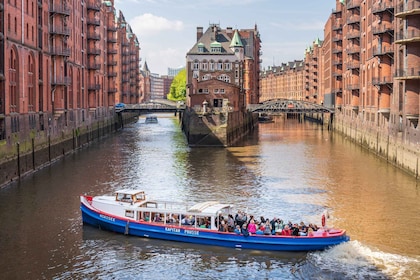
(129, 212)
(151, 119)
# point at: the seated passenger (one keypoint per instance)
(244, 230)
(286, 231)
(237, 229)
(310, 232)
(252, 228)
(267, 229)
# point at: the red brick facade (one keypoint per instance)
(367, 67)
(63, 65)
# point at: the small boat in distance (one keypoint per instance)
(129, 212)
(264, 118)
(151, 119)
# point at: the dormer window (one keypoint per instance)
(216, 47)
(200, 47)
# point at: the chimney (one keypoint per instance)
(229, 32)
(199, 33)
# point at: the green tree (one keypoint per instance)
(178, 89)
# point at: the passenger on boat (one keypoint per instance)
(223, 226)
(286, 231)
(303, 230)
(230, 223)
(237, 229)
(267, 229)
(295, 230)
(252, 228)
(310, 232)
(244, 230)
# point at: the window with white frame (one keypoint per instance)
(216, 90)
(228, 66)
(220, 65)
(211, 65)
(206, 77)
(195, 74)
(196, 65)
(204, 65)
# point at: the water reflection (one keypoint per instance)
(286, 169)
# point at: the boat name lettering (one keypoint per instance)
(191, 232)
(172, 229)
(107, 218)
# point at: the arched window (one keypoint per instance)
(13, 81)
(31, 83)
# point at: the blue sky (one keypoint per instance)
(167, 28)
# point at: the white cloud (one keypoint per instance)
(147, 24)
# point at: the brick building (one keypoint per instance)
(63, 66)
(223, 68)
(367, 67)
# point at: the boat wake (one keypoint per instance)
(354, 260)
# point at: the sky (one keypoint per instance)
(166, 29)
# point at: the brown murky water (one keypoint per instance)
(285, 169)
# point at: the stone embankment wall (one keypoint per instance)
(404, 154)
(217, 130)
(33, 153)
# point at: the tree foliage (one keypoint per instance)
(178, 89)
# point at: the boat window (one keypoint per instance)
(139, 196)
(151, 205)
(129, 213)
(123, 197)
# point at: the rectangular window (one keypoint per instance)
(228, 66)
(211, 66)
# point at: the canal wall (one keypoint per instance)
(216, 129)
(25, 154)
(396, 149)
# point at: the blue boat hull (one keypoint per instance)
(206, 237)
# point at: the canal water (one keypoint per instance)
(286, 169)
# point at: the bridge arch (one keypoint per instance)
(288, 106)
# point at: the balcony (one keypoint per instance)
(409, 36)
(60, 51)
(353, 4)
(408, 74)
(354, 19)
(111, 39)
(112, 90)
(112, 51)
(385, 6)
(380, 51)
(353, 66)
(337, 38)
(90, 5)
(409, 9)
(93, 36)
(61, 81)
(380, 81)
(353, 87)
(112, 74)
(60, 30)
(112, 28)
(93, 66)
(93, 21)
(353, 50)
(354, 34)
(337, 26)
(60, 10)
(112, 63)
(93, 51)
(94, 87)
(383, 28)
